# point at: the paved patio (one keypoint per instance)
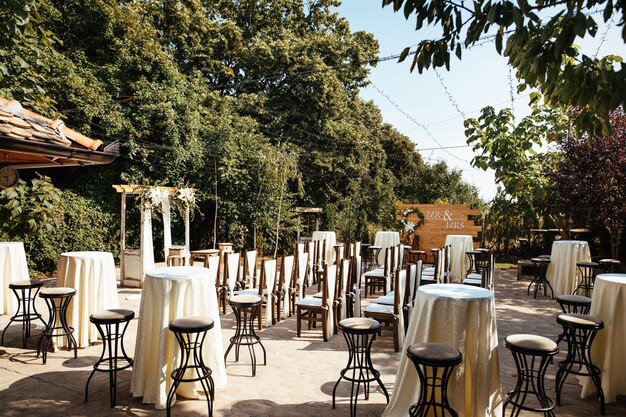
(297, 380)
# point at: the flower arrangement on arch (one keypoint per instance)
(187, 196)
(153, 196)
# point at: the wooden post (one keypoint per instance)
(123, 241)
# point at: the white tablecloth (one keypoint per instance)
(13, 267)
(385, 240)
(463, 317)
(608, 303)
(331, 240)
(168, 294)
(92, 275)
(459, 263)
(562, 270)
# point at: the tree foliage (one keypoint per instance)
(253, 103)
(538, 38)
(589, 179)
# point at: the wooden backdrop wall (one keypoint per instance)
(440, 220)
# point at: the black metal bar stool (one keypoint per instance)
(26, 292)
(372, 256)
(572, 304)
(57, 299)
(190, 333)
(434, 363)
(246, 308)
(108, 323)
(359, 333)
(474, 264)
(540, 280)
(609, 265)
(587, 274)
(364, 254)
(580, 330)
(531, 354)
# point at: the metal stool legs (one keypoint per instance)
(112, 344)
(359, 334)
(580, 330)
(57, 299)
(531, 354)
(190, 338)
(26, 310)
(540, 280)
(246, 309)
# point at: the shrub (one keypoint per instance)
(50, 221)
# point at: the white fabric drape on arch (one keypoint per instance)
(147, 246)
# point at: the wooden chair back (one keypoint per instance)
(340, 293)
(232, 268)
(310, 253)
(283, 289)
(267, 289)
(249, 269)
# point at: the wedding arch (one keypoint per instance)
(135, 262)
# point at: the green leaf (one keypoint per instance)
(404, 54)
(499, 42)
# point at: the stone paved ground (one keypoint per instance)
(297, 381)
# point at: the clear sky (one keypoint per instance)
(441, 103)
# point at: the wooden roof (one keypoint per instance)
(29, 140)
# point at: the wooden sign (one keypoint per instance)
(433, 222)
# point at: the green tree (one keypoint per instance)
(590, 179)
(26, 51)
(540, 44)
(517, 154)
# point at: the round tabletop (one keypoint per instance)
(613, 278)
(455, 291)
(177, 272)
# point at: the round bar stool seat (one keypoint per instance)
(609, 265)
(574, 301)
(587, 273)
(434, 363)
(540, 280)
(25, 291)
(246, 308)
(572, 304)
(359, 333)
(526, 349)
(580, 330)
(190, 333)
(57, 299)
(111, 360)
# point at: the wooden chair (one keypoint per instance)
(319, 259)
(379, 278)
(413, 273)
(249, 277)
(301, 273)
(485, 278)
(232, 269)
(392, 315)
(353, 290)
(317, 310)
(438, 273)
(342, 282)
(310, 252)
(284, 288)
(213, 264)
